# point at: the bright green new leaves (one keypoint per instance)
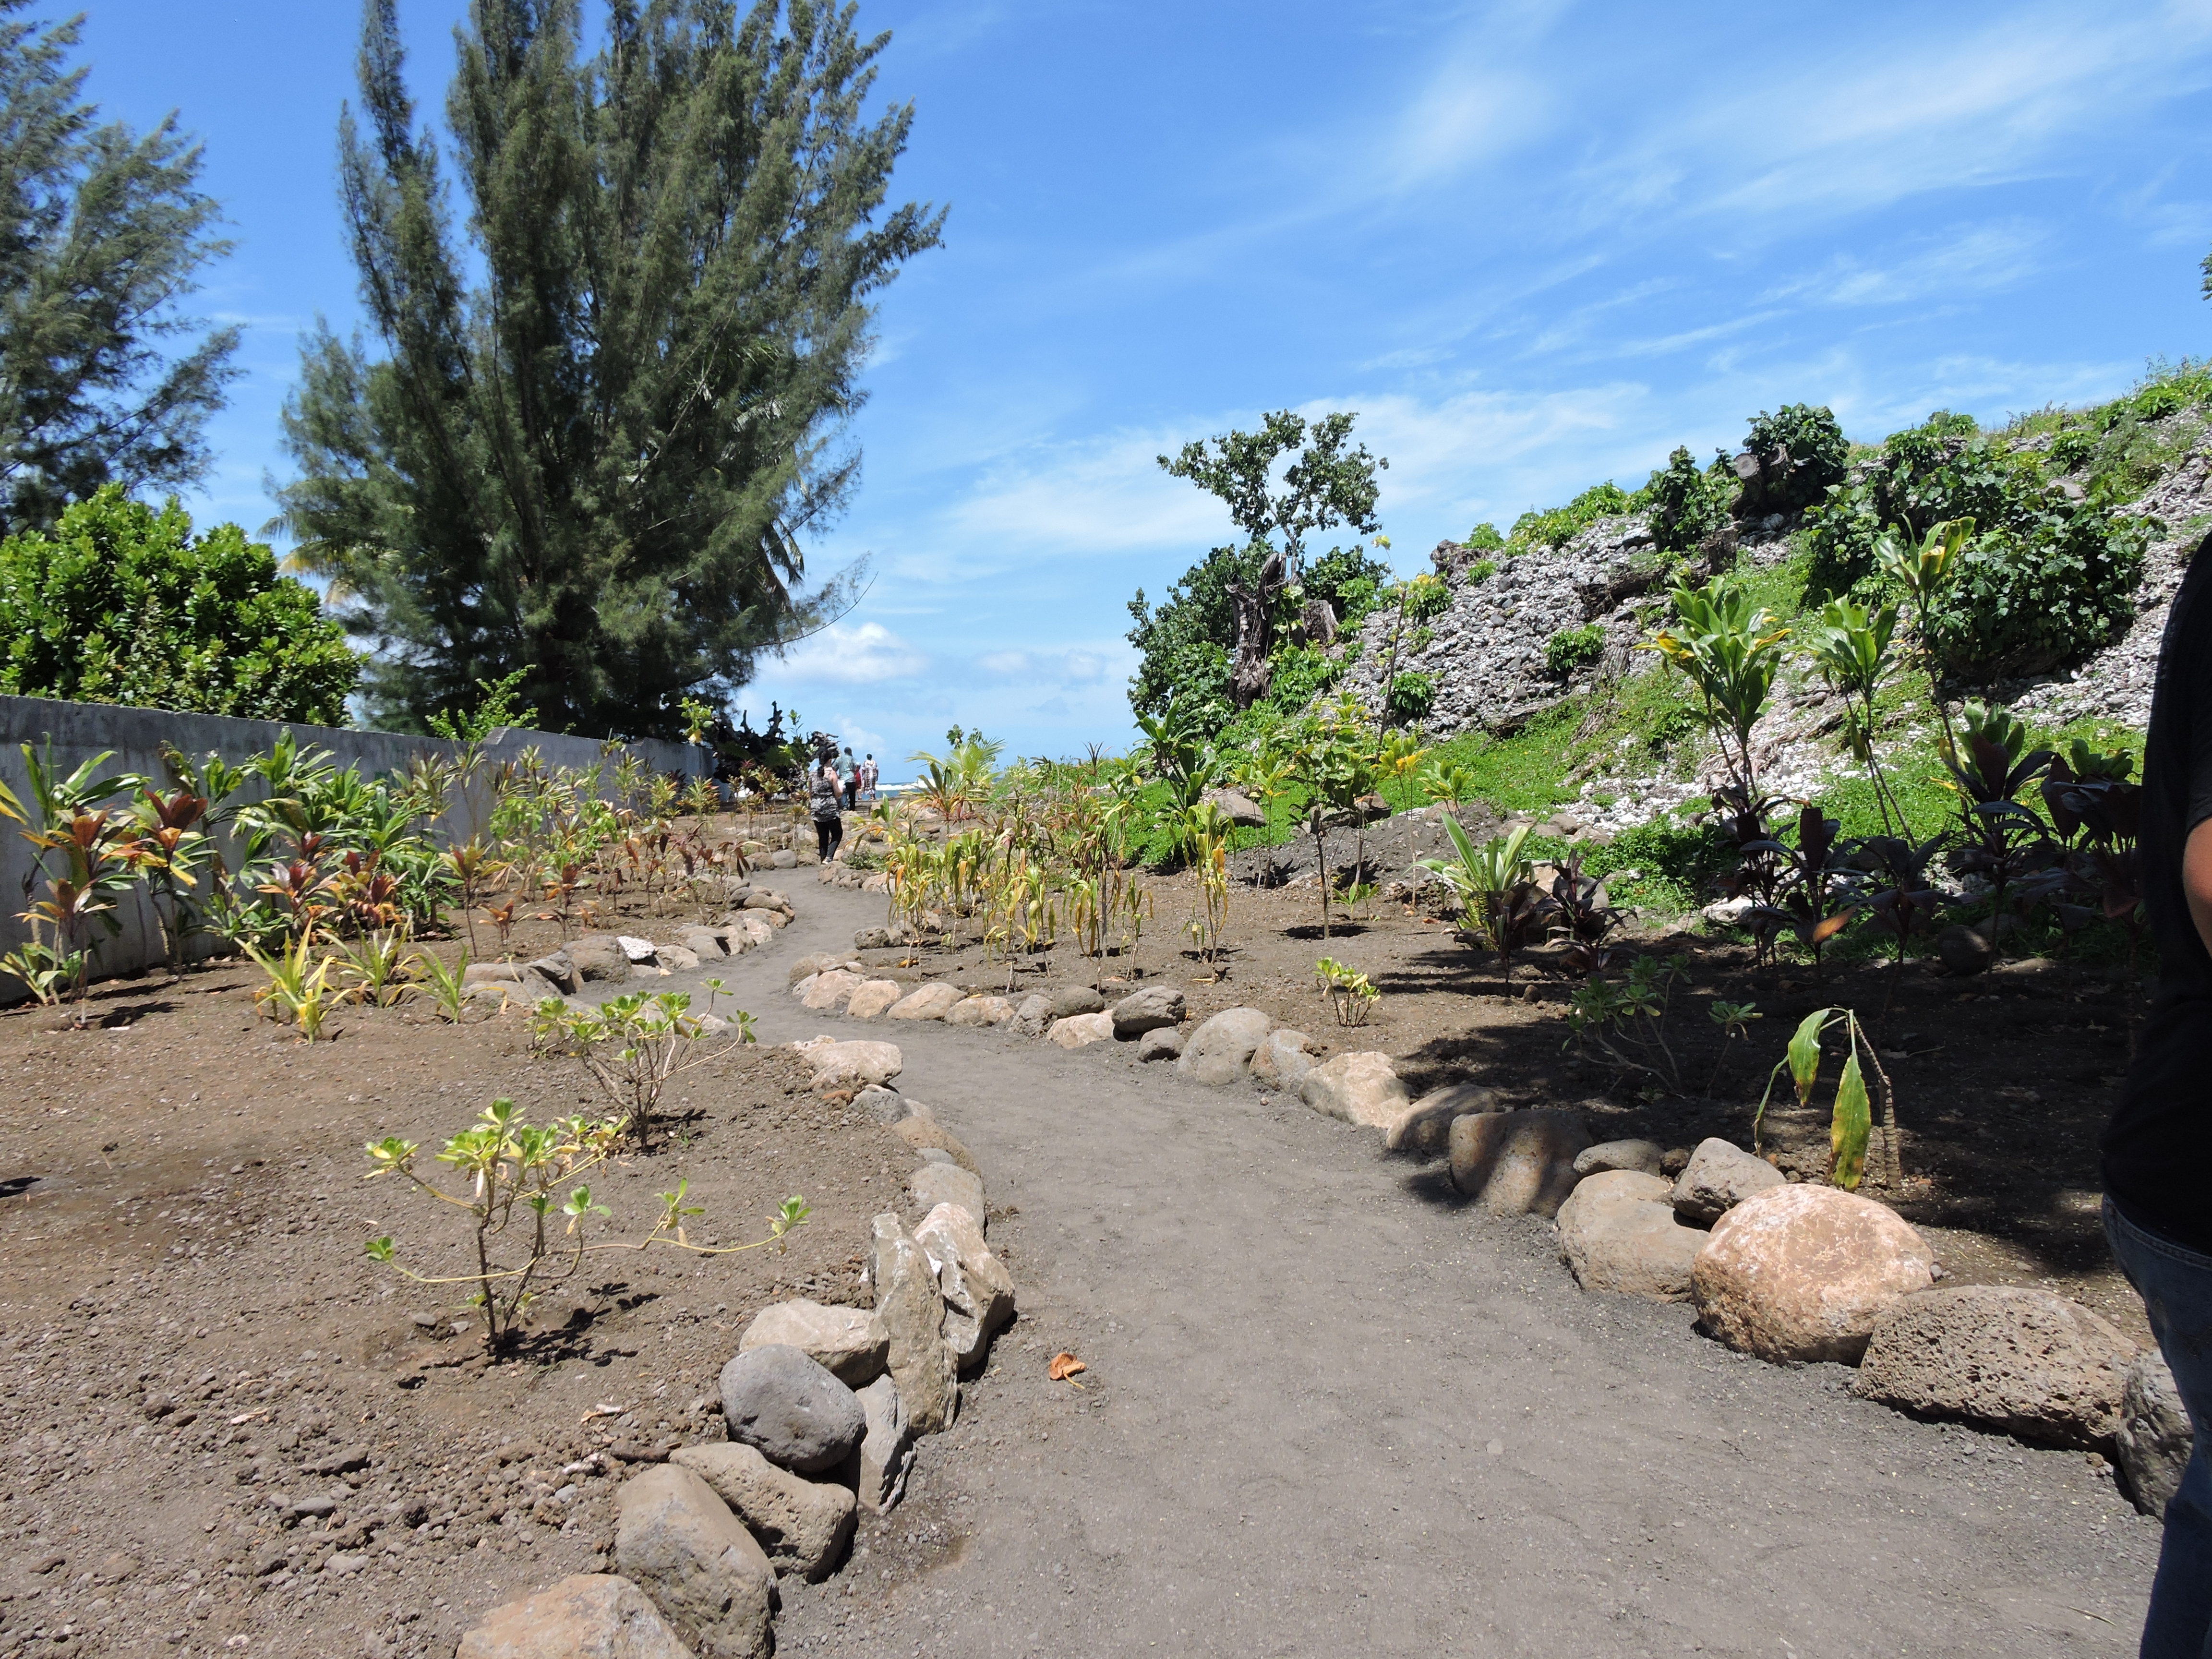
(1731, 649)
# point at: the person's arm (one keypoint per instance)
(2197, 879)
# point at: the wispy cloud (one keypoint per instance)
(859, 654)
(1971, 259)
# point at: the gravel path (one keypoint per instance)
(1328, 1412)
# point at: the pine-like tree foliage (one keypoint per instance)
(101, 234)
(593, 463)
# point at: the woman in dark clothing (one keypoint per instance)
(825, 792)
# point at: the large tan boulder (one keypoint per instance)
(1221, 1048)
(1362, 1088)
(1425, 1127)
(851, 1064)
(934, 1183)
(875, 998)
(1080, 1030)
(849, 1343)
(591, 1615)
(1801, 1272)
(1146, 1010)
(980, 1011)
(2020, 1361)
(1517, 1163)
(679, 1543)
(830, 990)
(1618, 1233)
(803, 1525)
(932, 1002)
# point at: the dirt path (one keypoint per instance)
(1330, 1412)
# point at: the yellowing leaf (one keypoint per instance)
(1849, 1127)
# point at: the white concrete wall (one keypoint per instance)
(78, 731)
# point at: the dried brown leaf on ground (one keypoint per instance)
(1063, 1366)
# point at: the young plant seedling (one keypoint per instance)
(1850, 1120)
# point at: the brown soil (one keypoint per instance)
(2003, 1080)
(198, 1339)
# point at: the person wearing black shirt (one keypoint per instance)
(2158, 1147)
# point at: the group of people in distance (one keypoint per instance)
(833, 790)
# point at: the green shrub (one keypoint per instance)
(1484, 538)
(1426, 596)
(2028, 600)
(1679, 864)
(1481, 571)
(1411, 695)
(1556, 528)
(2072, 451)
(1574, 647)
(1688, 503)
(120, 604)
(1817, 452)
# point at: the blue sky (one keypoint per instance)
(1534, 245)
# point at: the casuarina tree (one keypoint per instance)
(594, 438)
(103, 233)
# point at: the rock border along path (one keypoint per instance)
(1333, 1408)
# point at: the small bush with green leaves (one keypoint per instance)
(1689, 502)
(1427, 597)
(511, 1172)
(1411, 695)
(1351, 992)
(1558, 526)
(1800, 451)
(1574, 647)
(2025, 602)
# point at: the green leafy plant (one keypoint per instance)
(448, 988)
(1573, 648)
(1500, 903)
(1688, 503)
(1627, 1021)
(633, 1044)
(1413, 694)
(1733, 1019)
(1352, 994)
(376, 967)
(1730, 647)
(1850, 1119)
(511, 1172)
(1800, 451)
(296, 990)
(1850, 645)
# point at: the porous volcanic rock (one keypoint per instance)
(1802, 1272)
(2154, 1437)
(804, 1526)
(2020, 1361)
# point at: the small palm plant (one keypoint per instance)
(1499, 901)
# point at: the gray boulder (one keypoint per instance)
(1965, 950)
(2023, 1362)
(1034, 1016)
(1165, 1043)
(933, 1184)
(1240, 809)
(557, 971)
(1644, 1157)
(879, 1468)
(597, 957)
(1718, 1178)
(912, 1308)
(1425, 1127)
(1361, 1088)
(707, 944)
(1618, 1233)
(1147, 1011)
(589, 1615)
(2154, 1437)
(791, 1409)
(804, 1526)
(679, 1543)
(886, 1106)
(1517, 1163)
(1068, 1000)
(1219, 1049)
(849, 1343)
(922, 1132)
(819, 961)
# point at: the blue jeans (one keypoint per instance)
(2176, 1287)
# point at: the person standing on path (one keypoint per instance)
(852, 770)
(868, 776)
(2158, 1143)
(824, 793)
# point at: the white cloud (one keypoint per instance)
(1976, 259)
(843, 654)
